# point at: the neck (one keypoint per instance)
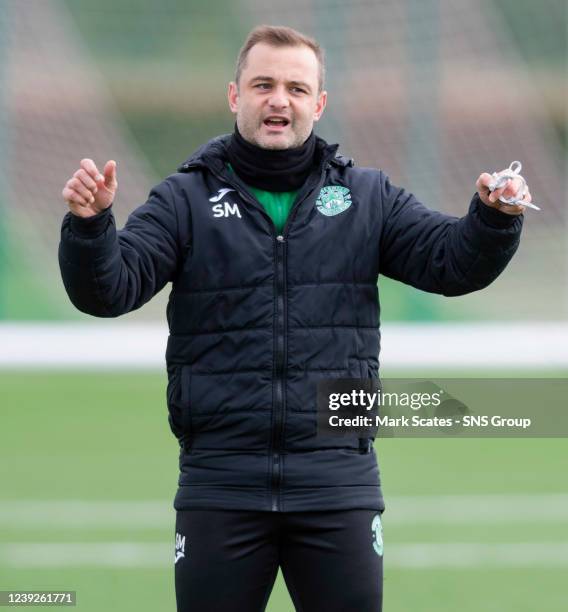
(271, 169)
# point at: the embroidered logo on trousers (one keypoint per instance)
(180, 547)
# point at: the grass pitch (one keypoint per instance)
(103, 438)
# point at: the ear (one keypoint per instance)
(320, 106)
(233, 96)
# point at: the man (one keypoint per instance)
(273, 244)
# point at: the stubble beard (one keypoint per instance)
(249, 133)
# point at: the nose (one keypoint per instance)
(279, 98)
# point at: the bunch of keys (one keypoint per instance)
(500, 179)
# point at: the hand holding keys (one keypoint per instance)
(501, 178)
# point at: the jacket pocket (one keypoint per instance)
(178, 393)
(363, 371)
(370, 374)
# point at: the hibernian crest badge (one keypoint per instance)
(333, 200)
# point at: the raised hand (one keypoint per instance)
(509, 189)
(89, 192)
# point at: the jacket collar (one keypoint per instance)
(213, 154)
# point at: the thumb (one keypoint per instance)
(110, 175)
(484, 181)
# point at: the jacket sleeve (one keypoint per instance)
(440, 253)
(107, 272)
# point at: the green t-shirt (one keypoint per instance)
(277, 204)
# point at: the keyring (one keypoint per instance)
(500, 179)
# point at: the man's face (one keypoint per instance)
(277, 100)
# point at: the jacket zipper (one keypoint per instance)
(278, 420)
(281, 318)
(279, 241)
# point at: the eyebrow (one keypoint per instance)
(271, 80)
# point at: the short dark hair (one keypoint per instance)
(280, 36)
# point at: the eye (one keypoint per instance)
(263, 86)
(298, 90)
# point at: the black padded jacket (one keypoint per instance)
(257, 318)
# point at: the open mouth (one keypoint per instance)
(276, 122)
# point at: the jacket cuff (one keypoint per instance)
(90, 227)
(493, 216)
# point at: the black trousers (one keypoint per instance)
(227, 560)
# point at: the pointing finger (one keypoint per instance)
(90, 167)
